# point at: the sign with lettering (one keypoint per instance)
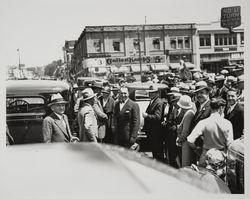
(230, 17)
(118, 61)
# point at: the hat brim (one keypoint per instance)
(204, 88)
(184, 107)
(89, 97)
(62, 102)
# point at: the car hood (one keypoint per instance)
(77, 170)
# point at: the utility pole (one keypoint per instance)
(19, 59)
(139, 45)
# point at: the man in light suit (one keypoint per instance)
(87, 119)
(97, 106)
(126, 122)
(56, 126)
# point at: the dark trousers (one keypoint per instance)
(156, 142)
(171, 150)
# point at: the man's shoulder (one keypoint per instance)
(85, 108)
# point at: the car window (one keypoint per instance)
(25, 105)
(141, 95)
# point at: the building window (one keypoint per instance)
(187, 42)
(173, 43)
(156, 43)
(116, 45)
(242, 38)
(225, 39)
(136, 44)
(180, 43)
(205, 40)
(97, 45)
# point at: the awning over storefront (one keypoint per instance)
(177, 65)
(136, 68)
(122, 69)
(160, 67)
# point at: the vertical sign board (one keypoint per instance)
(230, 17)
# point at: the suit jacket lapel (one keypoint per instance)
(231, 114)
(200, 113)
(61, 127)
(124, 106)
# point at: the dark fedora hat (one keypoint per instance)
(57, 99)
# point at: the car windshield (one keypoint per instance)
(141, 95)
(25, 105)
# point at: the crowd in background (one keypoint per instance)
(197, 113)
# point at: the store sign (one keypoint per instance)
(118, 61)
(230, 17)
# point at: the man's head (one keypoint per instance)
(57, 104)
(115, 90)
(202, 91)
(88, 96)
(232, 96)
(123, 94)
(106, 92)
(217, 105)
(153, 92)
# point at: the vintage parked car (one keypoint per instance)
(138, 92)
(235, 166)
(67, 170)
(26, 107)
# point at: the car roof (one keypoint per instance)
(145, 85)
(33, 87)
(77, 170)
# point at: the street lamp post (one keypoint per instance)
(139, 45)
(19, 59)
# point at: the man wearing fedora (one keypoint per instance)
(217, 132)
(152, 123)
(108, 105)
(87, 119)
(126, 122)
(97, 106)
(56, 126)
(173, 118)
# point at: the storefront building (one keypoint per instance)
(114, 49)
(217, 47)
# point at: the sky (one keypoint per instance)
(39, 28)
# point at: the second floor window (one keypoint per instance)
(180, 42)
(136, 44)
(225, 39)
(156, 43)
(205, 40)
(97, 45)
(242, 38)
(116, 45)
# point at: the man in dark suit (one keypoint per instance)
(234, 112)
(203, 111)
(56, 126)
(152, 123)
(126, 122)
(108, 105)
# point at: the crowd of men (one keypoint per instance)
(197, 115)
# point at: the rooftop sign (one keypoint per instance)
(230, 17)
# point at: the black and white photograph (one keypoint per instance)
(118, 99)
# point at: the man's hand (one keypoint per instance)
(74, 139)
(144, 115)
